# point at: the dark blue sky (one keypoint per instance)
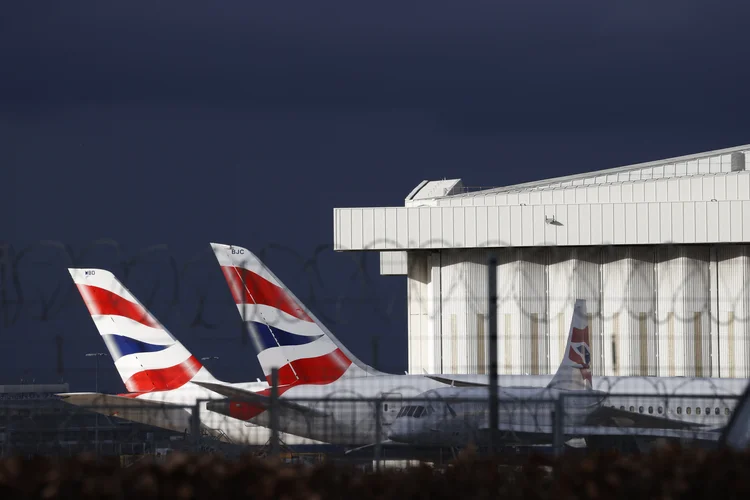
(181, 123)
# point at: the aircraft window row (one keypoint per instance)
(688, 410)
(414, 411)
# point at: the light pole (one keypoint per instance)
(96, 356)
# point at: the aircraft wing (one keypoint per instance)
(165, 415)
(692, 434)
(613, 417)
(456, 382)
(258, 399)
(603, 430)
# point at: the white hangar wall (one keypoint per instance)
(660, 250)
(662, 310)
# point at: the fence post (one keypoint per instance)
(195, 426)
(492, 317)
(274, 410)
(558, 423)
(378, 432)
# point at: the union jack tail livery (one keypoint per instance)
(575, 369)
(146, 355)
(283, 331)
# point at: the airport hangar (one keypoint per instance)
(660, 251)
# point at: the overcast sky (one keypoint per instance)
(180, 123)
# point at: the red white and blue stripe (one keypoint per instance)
(282, 332)
(575, 368)
(147, 357)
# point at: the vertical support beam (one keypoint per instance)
(713, 290)
(658, 372)
(454, 344)
(274, 412)
(595, 347)
(643, 341)
(730, 345)
(509, 335)
(481, 346)
(604, 369)
(195, 426)
(670, 343)
(698, 341)
(558, 420)
(492, 316)
(378, 432)
(562, 334)
(615, 344)
(434, 314)
(534, 343)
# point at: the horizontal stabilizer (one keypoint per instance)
(158, 414)
(261, 399)
(386, 444)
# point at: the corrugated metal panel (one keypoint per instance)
(434, 342)
(705, 187)
(510, 348)
(694, 164)
(683, 311)
(454, 296)
(464, 305)
(532, 301)
(619, 224)
(573, 274)
(393, 263)
(734, 310)
(418, 279)
(628, 315)
(650, 307)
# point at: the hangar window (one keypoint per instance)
(717, 411)
(726, 411)
(698, 410)
(622, 408)
(385, 407)
(688, 410)
(640, 409)
(651, 409)
(660, 410)
(679, 410)
(632, 408)
(708, 410)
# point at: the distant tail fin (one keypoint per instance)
(575, 369)
(284, 332)
(146, 355)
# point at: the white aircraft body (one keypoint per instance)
(620, 406)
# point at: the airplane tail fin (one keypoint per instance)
(574, 372)
(285, 334)
(147, 357)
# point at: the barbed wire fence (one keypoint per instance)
(653, 293)
(539, 285)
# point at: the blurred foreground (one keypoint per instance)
(665, 473)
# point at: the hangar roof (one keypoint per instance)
(710, 162)
(697, 198)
